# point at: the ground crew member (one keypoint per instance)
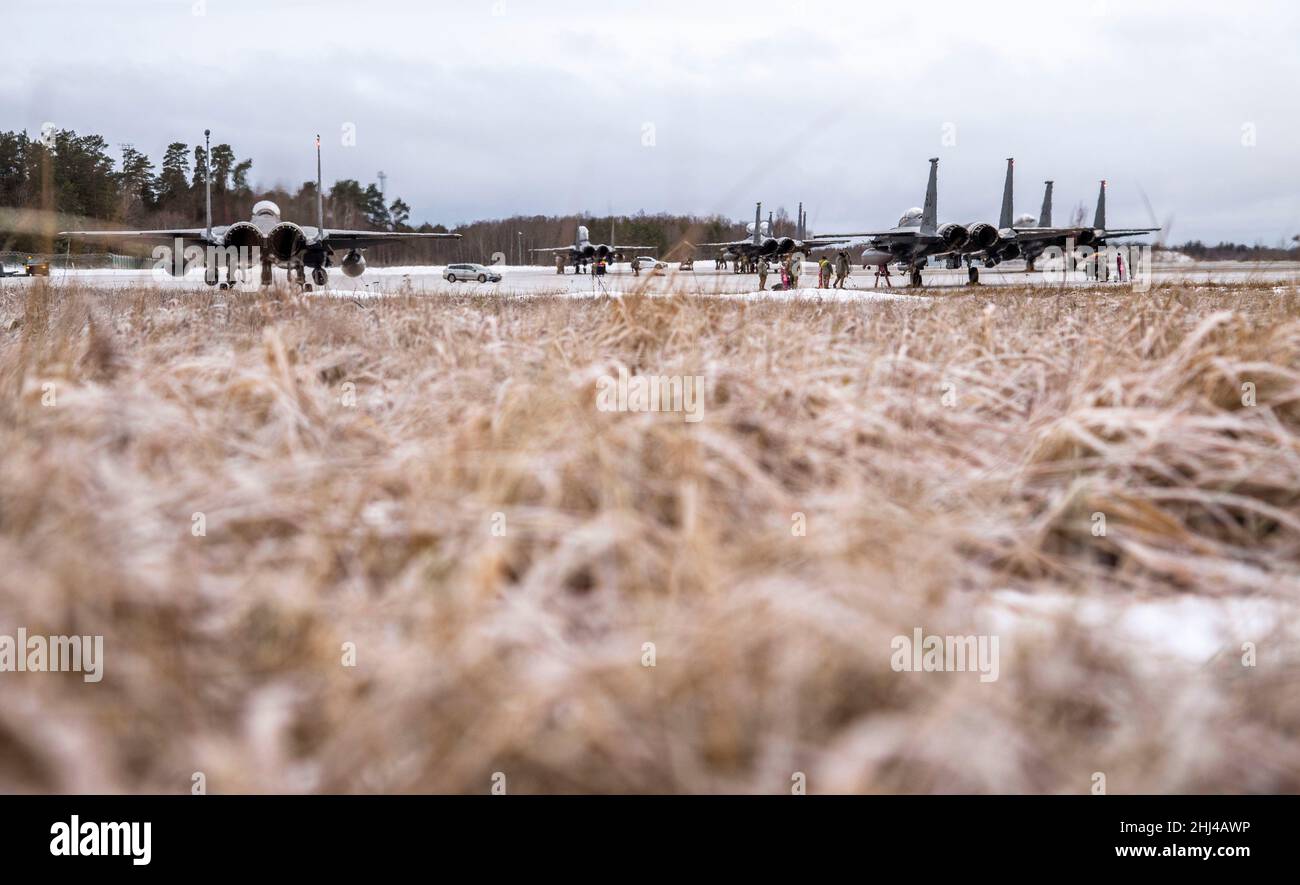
(823, 272)
(762, 275)
(559, 264)
(883, 269)
(796, 266)
(842, 268)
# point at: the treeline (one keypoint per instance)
(72, 181)
(59, 180)
(1239, 251)
(662, 234)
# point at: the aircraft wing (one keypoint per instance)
(557, 249)
(1034, 234)
(360, 238)
(826, 241)
(711, 245)
(1128, 232)
(185, 233)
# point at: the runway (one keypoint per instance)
(535, 281)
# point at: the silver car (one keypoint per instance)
(456, 272)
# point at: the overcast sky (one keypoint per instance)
(488, 108)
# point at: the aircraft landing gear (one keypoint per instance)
(916, 277)
(266, 273)
(210, 275)
(973, 276)
(318, 276)
(1029, 266)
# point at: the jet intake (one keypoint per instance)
(981, 236)
(354, 264)
(953, 235)
(285, 241)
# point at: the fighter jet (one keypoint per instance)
(1027, 237)
(1095, 236)
(918, 235)
(583, 249)
(265, 238)
(762, 244)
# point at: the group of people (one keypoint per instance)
(840, 267)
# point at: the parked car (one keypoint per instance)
(646, 262)
(455, 272)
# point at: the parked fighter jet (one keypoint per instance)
(762, 244)
(583, 249)
(1095, 236)
(918, 235)
(266, 239)
(1026, 237)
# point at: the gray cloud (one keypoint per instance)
(482, 109)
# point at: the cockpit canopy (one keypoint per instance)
(1025, 220)
(266, 207)
(911, 218)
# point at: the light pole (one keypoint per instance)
(521, 248)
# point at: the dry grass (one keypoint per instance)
(522, 654)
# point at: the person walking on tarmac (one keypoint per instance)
(842, 268)
(762, 275)
(796, 267)
(882, 269)
(823, 272)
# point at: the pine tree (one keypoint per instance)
(174, 180)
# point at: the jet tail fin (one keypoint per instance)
(758, 224)
(799, 232)
(930, 211)
(1005, 219)
(1045, 215)
(207, 179)
(1099, 220)
(320, 194)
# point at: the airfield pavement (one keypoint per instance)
(531, 280)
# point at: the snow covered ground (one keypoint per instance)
(533, 280)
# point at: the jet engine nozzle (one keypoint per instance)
(1087, 237)
(602, 251)
(243, 235)
(981, 236)
(354, 264)
(588, 251)
(770, 246)
(785, 244)
(953, 235)
(285, 241)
